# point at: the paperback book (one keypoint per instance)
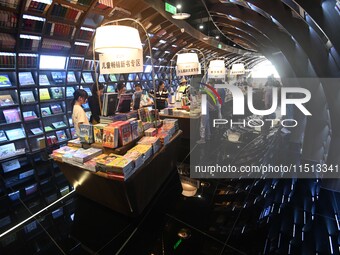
(27, 97)
(56, 108)
(88, 90)
(87, 77)
(98, 131)
(45, 111)
(110, 137)
(6, 100)
(12, 115)
(14, 134)
(44, 94)
(58, 77)
(48, 128)
(10, 165)
(43, 80)
(3, 136)
(7, 150)
(29, 115)
(69, 92)
(86, 133)
(61, 135)
(26, 78)
(71, 78)
(5, 81)
(59, 124)
(36, 131)
(57, 93)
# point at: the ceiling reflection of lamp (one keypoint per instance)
(112, 38)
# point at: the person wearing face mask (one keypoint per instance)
(78, 114)
(94, 102)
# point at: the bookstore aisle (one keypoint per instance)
(272, 216)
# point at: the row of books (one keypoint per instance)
(27, 61)
(8, 19)
(12, 134)
(52, 44)
(7, 61)
(79, 49)
(66, 12)
(36, 6)
(7, 41)
(60, 29)
(85, 34)
(75, 63)
(32, 25)
(29, 44)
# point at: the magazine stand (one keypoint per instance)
(128, 197)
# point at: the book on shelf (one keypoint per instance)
(125, 135)
(69, 91)
(56, 108)
(43, 80)
(37, 6)
(14, 134)
(124, 103)
(26, 78)
(71, 78)
(7, 42)
(86, 106)
(66, 12)
(12, 115)
(45, 111)
(48, 128)
(86, 133)
(5, 81)
(32, 25)
(6, 100)
(57, 93)
(51, 44)
(59, 29)
(7, 61)
(36, 131)
(59, 124)
(3, 136)
(110, 102)
(88, 77)
(26, 174)
(10, 165)
(73, 133)
(61, 135)
(7, 150)
(27, 61)
(58, 77)
(29, 115)
(27, 97)
(8, 19)
(44, 94)
(101, 78)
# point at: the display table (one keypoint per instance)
(128, 197)
(184, 125)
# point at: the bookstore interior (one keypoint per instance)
(169, 127)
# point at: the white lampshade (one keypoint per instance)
(217, 64)
(186, 58)
(113, 37)
(238, 68)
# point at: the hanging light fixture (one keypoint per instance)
(188, 64)
(187, 58)
(217, 70)
(216, 64)
(115, 37)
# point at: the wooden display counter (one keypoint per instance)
(128, 197)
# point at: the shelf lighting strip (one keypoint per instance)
(33, 216)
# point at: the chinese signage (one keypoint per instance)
(188, 68)
(121, 62)
(216, 73)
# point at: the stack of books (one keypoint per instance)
(153, 141)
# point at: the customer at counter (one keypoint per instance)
(161, 95)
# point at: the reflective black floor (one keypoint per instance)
(226, 216)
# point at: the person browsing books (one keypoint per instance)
(121, 88)
(97, 92)
(145, 100)
(78, 114)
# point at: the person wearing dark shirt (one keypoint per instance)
(94, 102)
(121, 88)
(161, 95)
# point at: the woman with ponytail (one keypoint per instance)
(78, 114)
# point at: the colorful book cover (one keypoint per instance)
(56, 108)
(14, 134)
(125, 136)
(57, 93)
(43, 80)
(27, 97)
(86, 133)
(61, 135)
(88, 90)
(134, 129)
(48, 128)
(26, 78)
(73, 133)
(110, 137)
(12, 115)
(98, 133)
(5, 81)
(69, 91)
(36, 131)
(29, 115)
(59, 124)
(45, 111)
(3, 136)
(6, 100)
(71, 78)
(87, 77)
(58, 77)
(44, 94)
(10, 165)
(7, 150)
